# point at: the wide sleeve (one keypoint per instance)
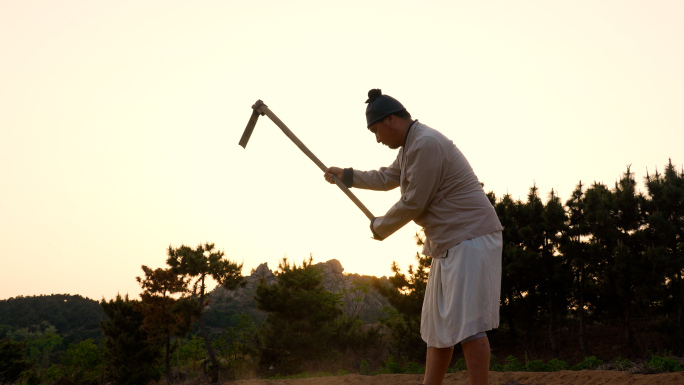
(386, 178)
(424, 164)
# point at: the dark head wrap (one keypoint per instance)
(380, 106)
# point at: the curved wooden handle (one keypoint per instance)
(263, 109)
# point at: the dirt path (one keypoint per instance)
(584, 377)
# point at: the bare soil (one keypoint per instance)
(584, 377)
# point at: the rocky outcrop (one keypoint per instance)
(245, 294)
(357, 292)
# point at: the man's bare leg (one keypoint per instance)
(476, 353)
(436, 365)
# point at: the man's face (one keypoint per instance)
(386, 133)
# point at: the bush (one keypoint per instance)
(391, 366)
(535, 366)
(588, 363)
(663, 364)
(511, 364)
(459, 365)
(413, 368)
(621, 363)
(493, 365)
(83, 361)
(364, 369)
(555, 365)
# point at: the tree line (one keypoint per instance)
(75, 317)
(608, 255)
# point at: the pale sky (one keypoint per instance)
(119, 121)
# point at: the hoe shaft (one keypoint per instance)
(260, 108)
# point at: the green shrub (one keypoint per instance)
(391, 366)
(459, 365)
(511, 364)
(364, 369)
(493, 365)
(31, 377)
(535, 366)
(413, 368)
(588, 363)
(555, 365)
(621, 363)
(663, 364)
(405, 367)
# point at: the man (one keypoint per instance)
(440, 192)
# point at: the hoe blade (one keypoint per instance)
(248, 130)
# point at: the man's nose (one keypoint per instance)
(377, 138)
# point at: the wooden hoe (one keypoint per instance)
(261, 109)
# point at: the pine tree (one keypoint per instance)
(162, 318)
(665, 217)
(405, 295)
(557, 273)
(302, 317)
(629, 270)
(574, 247)
(196, 266)
(513, 267)
(529, 261)
(600, 208)
(131, 358)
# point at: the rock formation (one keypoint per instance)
(357, 293)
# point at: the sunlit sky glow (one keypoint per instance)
(119, 121)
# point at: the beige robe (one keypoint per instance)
(463, 292)
(439, 191)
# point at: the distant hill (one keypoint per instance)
(76, 318)
(225, 306)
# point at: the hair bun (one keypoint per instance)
(373, 94)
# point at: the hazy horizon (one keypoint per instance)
(212, 285)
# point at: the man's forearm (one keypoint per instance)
(378, 180)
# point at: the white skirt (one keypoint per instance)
(463, 292)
